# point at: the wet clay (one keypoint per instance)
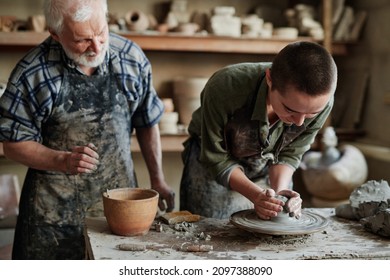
(283, 216)
(370, 205)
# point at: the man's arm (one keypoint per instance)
(82, 159)
(150, 144)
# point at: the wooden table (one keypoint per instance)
(342, 239)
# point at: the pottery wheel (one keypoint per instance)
(308, 223)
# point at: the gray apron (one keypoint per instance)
(200, 193)
(53, 205)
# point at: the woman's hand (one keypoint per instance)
(266, 205)
(294, 202)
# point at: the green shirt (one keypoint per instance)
(228, 90)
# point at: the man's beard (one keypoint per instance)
(85, 58)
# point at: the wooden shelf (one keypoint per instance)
(21, 39)
(218, 44)
(176, 43)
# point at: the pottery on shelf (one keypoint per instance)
(137, 21)
(168, 123)
(186, 96)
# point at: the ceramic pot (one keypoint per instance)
(168, 105)
(137, 21)
(36, 23)
(168, 123)
(188, 28)
(186, 95)
(130, 211)
(336, 181)
(286, 33)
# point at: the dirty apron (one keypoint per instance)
(53, 205)
(200, 193)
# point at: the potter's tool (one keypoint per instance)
(308, 223)
(131, 247)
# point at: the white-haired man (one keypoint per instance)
(67, 113)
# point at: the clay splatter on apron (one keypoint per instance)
(89, 110)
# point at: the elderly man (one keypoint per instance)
(67, 113)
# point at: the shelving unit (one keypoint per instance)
(176, 42)
(11, 41)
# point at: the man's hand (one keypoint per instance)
(82, 159)
(167, 197)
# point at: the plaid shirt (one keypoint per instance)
(35, 84)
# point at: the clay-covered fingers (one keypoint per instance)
(92, 146)
(267, 206)
(89, 150)
(82, 159)
(270, 193)
(170, 200)
(294, 206)
(166, 196)
(294, 203)
(267, 212)
(167, 202)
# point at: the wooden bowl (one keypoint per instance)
(130, 211)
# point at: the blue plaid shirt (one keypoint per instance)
(35, 83)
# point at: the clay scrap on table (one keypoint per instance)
(172, 218)
(370, 205)
(378, 223)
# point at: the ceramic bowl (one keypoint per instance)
(130, 211)
(286, 32)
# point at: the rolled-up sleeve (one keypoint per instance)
(134, 71)
(26, 103)
(150, 108)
